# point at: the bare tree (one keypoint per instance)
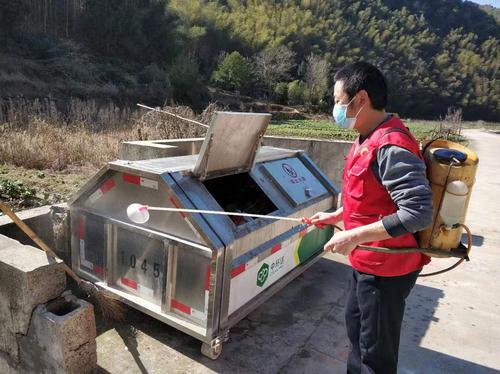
(317, 72)
(273, 65)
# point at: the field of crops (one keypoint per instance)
(325, 129)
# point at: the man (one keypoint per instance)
(386, 198)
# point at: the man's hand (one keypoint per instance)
(321, 219)
(342, 242)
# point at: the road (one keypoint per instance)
(452, 323)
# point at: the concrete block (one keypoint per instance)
(61, 338)
(28, 277)
(38, 219)
(149, 149)
(6, 242)
(49, 222)
(5, 368)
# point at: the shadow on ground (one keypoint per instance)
(299, 330)
(477, 240)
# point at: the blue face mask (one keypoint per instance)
(340, 115)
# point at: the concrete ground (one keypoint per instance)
(452, 322)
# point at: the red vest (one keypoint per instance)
(366, 200)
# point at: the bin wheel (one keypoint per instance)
(212, 351)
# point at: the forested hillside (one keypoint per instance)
(495, 12)
(436, 54)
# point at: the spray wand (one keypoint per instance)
(139, 213)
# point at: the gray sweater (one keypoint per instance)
(403, 174)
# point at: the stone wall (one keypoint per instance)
(328, 154)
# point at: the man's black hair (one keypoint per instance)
(364, 76)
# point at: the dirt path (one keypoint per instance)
(452, 322)
(484, 210)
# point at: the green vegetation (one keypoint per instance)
(17, 191)
(435, 54)
(233, 72)
(309, 129)
(421, 129)
(26, 188)
(324, 129)
(495, 12)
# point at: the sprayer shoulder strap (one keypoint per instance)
(393, 137)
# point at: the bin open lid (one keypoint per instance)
(231, 144)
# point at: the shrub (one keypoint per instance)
(157, 83)
(187, 82)
(297, 93)
(233, 72)
(281, 92)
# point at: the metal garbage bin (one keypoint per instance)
(202, 273)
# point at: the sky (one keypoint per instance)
(495, 3)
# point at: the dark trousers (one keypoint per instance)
(374, 313)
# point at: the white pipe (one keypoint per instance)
(224, 213)
(174, 115)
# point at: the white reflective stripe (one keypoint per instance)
(82, 249)
(83, 261)
(95, 196)
(198, 315)
(145, 291)
(252, 262)
(87, 264)
(207, 295)
(149, 183)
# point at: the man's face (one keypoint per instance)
(341, 97)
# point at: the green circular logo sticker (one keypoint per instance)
(262, 275)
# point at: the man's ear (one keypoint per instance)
(364, 99)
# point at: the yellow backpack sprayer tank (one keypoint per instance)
(451, 170)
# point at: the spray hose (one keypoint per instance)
(460, 254)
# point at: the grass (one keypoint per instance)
(26, 188)
(43, 146)
(44, 158)
(91, 138)
(309, 129)
(465, 124)
(324, 129)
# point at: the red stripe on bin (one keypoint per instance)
(129, 178)
(81, 230)
(174, 203)
(98, 269)
(178, 305)
(240, 269)
(130, 283)
(207, 279)
(276, 248)
(109, 184)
